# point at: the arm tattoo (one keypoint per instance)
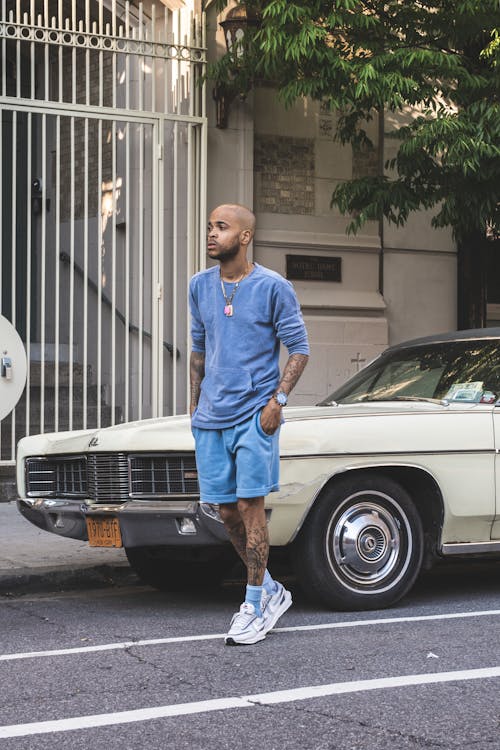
(196, 373)
(292, 372)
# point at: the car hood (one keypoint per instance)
(368, 427)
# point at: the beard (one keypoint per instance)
(224, 253)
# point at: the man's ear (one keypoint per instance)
(246, 236)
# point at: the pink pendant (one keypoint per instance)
(228, 310)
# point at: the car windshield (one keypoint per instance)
(465, 371)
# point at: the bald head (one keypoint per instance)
(230, 231)
(241, 214)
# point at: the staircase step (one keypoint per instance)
(63, 393)
(49, 373)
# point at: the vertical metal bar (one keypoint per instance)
(32, 53)
(175, 254)
(73, 58)
(158, 245)
(204, 85)
(57, 295)
(141, 67)
(153, 60)
(189, 234)
(127, 268)
(71, 268)
(99, 269)
(101, 22)
(178, 78)
(85, 267)
(202, 182)
(14, 253)
(191, 70)
(18, 52)
(46, 53)
(60, 57)
(128, 222)
(113, 57)
(100, 244)
(43, 261)
(29, 157)
(166, 69)
(87, 54)
(113, 272)
(141, 267)
(141, 228)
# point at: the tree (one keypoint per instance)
(364, 58)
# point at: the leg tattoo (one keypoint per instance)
(257, 554)
(246, 526)
(237, 535)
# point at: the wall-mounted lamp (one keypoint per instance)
(235, 26)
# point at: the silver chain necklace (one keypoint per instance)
(228, 307)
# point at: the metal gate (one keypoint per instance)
(102, 161)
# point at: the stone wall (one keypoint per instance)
(284, 173)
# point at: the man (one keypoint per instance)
(240, 314)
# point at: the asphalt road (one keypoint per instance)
(425, 674)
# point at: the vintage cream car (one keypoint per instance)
(398, 467)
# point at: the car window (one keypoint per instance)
(466, 371)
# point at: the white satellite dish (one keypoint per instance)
(12, 367)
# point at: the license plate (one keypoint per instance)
(104, 532)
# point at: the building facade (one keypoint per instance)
(393, 284)
(110, 159)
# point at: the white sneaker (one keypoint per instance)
(246, 627)
(275, 605)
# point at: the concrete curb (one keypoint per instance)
(8, 486)
(21, 581)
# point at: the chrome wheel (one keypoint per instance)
(366, 540)
(362, 544)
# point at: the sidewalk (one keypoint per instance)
(32, 559)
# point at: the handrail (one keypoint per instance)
(131, 326)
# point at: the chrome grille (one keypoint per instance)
(163, 475)
(64, 476)
(112, 477)
(107, 477)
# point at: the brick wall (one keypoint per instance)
(284, 175)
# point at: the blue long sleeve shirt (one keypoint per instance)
(242, 351)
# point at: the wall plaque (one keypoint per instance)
(313, 268)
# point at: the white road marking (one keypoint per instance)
(218, 636)
(244, 701)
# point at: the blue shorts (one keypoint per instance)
(237, 462)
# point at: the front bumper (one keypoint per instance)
(142, 523)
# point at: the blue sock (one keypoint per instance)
(254, 596)
(269, 583)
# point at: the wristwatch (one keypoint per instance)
(281, 398)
